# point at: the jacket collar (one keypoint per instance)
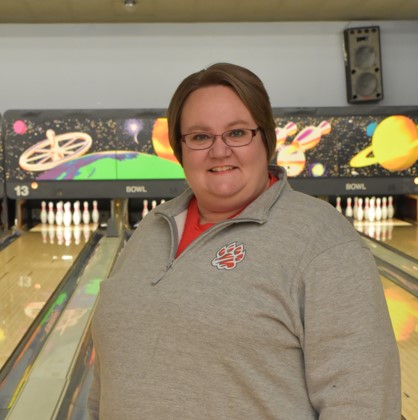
(258, 210)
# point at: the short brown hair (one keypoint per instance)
(245, 84)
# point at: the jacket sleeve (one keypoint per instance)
(93, 404)
(351, 356)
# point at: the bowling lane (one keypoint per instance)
(405, 239)
(397, 234)
(395, 245)
(50, 387)
(31, 268)
(403, 309)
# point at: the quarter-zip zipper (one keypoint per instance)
(174, 239)
(213, 229)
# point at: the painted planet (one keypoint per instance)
(114, 165)
(19, 127)
(317, 169)
(160, 140)
(292, 160)
(370, 128)
(394, 145)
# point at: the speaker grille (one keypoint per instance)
(363, 64)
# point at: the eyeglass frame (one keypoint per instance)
(253, 132)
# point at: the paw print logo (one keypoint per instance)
(229, 256)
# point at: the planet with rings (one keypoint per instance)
(394, 145)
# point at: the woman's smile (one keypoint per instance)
(223, 178)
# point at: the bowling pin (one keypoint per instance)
(366, 208)
(59, 215)
(338, 205)
(76, 213)
(371, 215)
(86, 213)
(162, 201)
(384, 208)
(360, 211)
(355, 207)
(378, 209)
(145, 210)
(391, 209)
(67, 217)
(349, 209)
(95, 213)
(44, 213)
(51, 215)
(153, 204)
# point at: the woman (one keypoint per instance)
(241, 298)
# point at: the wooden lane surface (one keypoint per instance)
(31, 268)
(405, 239)
(398, 234)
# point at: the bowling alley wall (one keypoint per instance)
(91, 66)
(101, 91)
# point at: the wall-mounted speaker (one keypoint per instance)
(363, 64)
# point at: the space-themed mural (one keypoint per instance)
(89, 153)
(394, 145)
(348, 145)
(88, 146)
(132, 145)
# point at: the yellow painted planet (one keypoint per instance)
(318, 169)
(394, 145)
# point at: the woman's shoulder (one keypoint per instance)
(314, 217)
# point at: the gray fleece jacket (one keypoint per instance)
(278, 313)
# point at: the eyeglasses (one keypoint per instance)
(238, 137)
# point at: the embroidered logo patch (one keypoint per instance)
(229, 256)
